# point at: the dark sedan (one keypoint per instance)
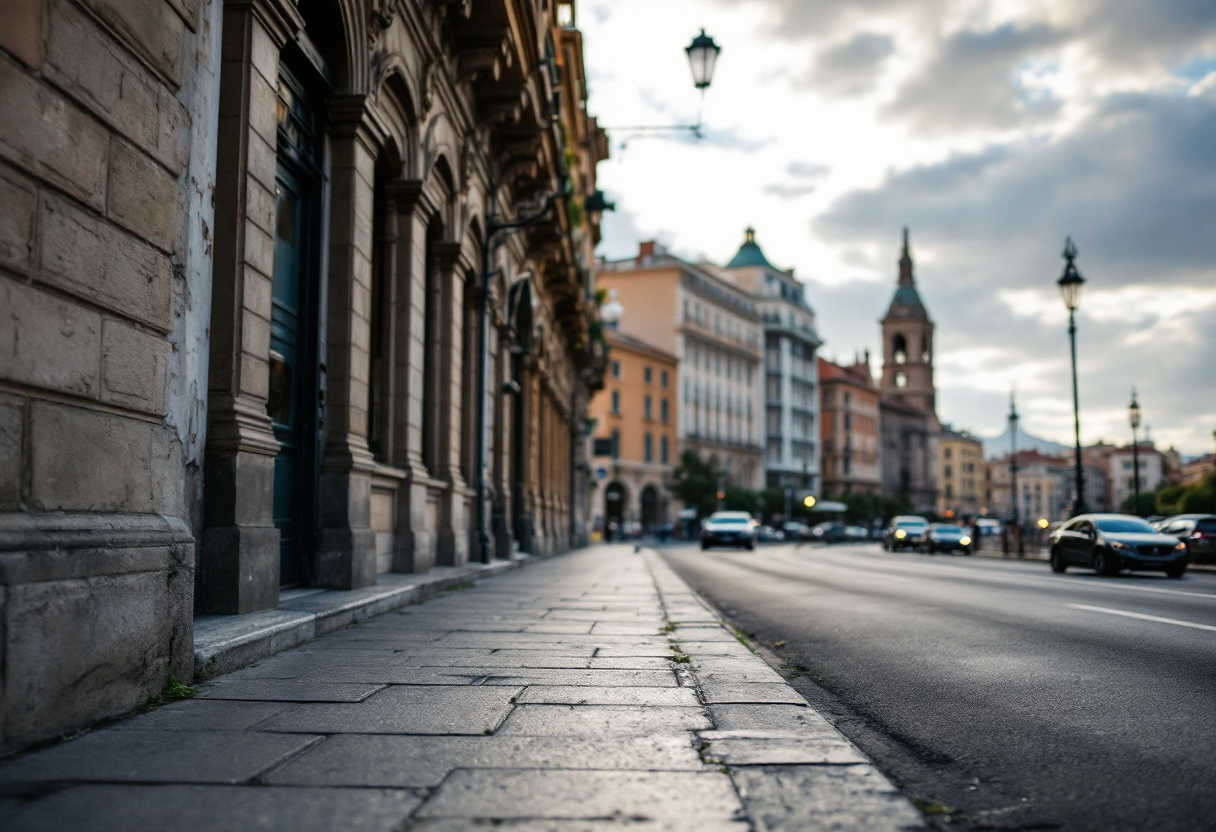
(1110, 543)
(945, 537)
(1197, 531)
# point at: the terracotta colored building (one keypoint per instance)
(960, 474)
(635, 435)
(848, 403)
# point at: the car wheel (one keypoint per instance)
(1057, 560)
(750, 546)
(1102, 564)
(704, 545)
(1175, 571)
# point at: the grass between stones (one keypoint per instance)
(173, 691)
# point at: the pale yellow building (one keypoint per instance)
(960, 474)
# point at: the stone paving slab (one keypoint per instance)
(548, 699)
(214, 809)
(423, 762)
(488, 794)
(405, 710)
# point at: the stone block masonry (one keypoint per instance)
(99, 101)
(567, 695)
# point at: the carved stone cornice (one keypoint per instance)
(281, 19)
(404, 195)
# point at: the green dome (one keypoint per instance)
(749, 254)
(907, 296)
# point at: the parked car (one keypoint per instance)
(946, 537)
(1197, 531)
(988, 527)
(1110, 543)
(856, 534)
(728, 528)
(796, 531)
(767, 534)
(829, 533)
(906, 531)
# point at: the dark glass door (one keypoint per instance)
(293, 402)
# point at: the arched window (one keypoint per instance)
(901, 380)
(899, 348)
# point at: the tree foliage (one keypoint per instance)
(1186, 499)
(696, 483)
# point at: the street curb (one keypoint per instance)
(792, 768)
(224, 643)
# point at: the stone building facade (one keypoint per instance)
(960, 474)
(294, 293)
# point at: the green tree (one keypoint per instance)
(696, 483)
(1187, 499)
(742, 499)
(1147, 506)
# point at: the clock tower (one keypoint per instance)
(907, 338)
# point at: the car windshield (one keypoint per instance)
(1126, 526)
(735, 521)
(948, 530)
(909, 524)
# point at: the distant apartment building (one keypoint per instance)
(635, 435)
(960, 474)
(791, 401)
(713, 328)
(1121, 473)
(1193, 472)
(849, 440)
(1046, 487)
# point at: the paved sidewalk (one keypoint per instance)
(592, 691)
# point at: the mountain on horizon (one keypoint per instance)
(998, 446)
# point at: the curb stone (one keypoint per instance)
(791, 767)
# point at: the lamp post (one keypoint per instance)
(702, 58)
(1133, 417)
(1013, 468)
(1070, 284)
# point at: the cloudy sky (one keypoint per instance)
(994, 129)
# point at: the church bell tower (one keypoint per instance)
(907, 336)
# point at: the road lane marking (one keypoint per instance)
(1143, 617)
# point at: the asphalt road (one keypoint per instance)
(1010, 697)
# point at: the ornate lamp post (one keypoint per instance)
(1070, 284)
(1133, 417)
(1013, 469)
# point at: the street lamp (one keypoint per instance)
(702, 55)
(1070, 284)
(1013, 467)
(612, 310)
(1133, 417)
(702, 58)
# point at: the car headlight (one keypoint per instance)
(1181, 547)
(1114, 544)
(901, 534)
(966, 541)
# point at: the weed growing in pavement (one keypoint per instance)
(488, 731)
(792, 670)
(681, 658)
(777, 645)
(744, 638)
(514, 699)
(211, 668)
(669, 628)
(931, 807)
(173, 691)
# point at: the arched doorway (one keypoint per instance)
(614, 509)
(650, 509)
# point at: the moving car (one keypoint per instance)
(728, 528)
(988, 527)
(1197, 531)
(1110, 543)
(767, 534)
(796, 531)
(907, 531)
(946, 537)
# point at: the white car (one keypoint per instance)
(728, 528)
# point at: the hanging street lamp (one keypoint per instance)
(1133, 417)
(1070, 284)
(702, 58)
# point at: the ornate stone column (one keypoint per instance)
(239, 561)
(346, 551)
(452, 549)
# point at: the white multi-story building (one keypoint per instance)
(790, 374)
(1121, 473)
